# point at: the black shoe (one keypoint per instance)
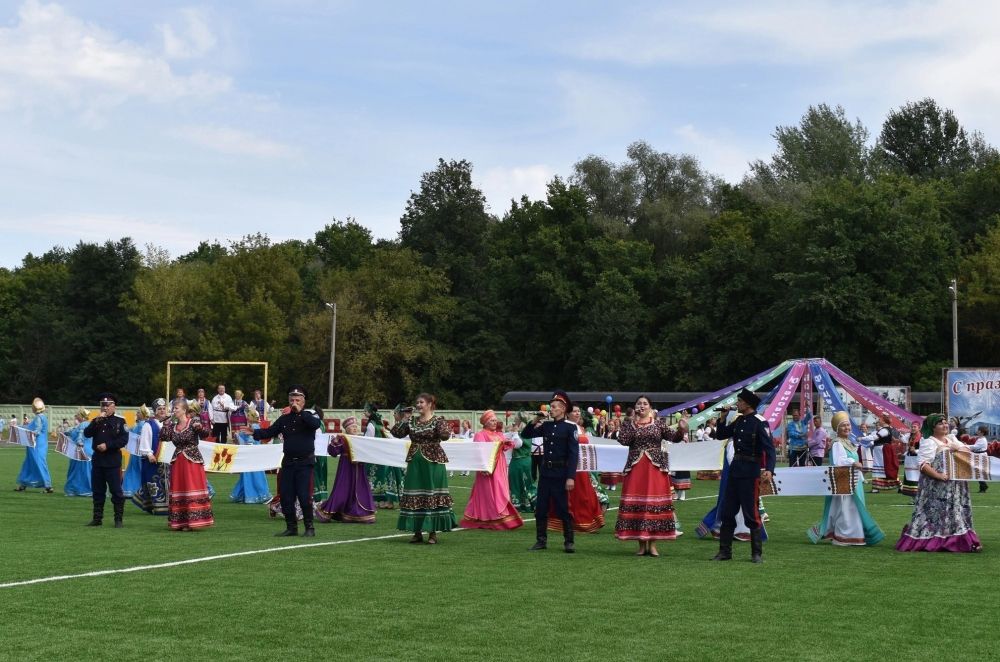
(309, 533)
(20, 488)
(983, 488)
(286, 533)
(756, 558)
(118, 524)
(723, 556)
(538, 546)
(569, 548)
(49, 490)
(94, 522)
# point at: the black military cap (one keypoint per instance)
(749, 397)
(297, 389)
(107, 398)
(562, 397)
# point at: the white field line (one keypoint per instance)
(231, 555)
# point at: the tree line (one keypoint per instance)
(646, 274)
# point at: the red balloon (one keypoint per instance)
(701, 407)
(618, 409)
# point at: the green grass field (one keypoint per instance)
(479, 595)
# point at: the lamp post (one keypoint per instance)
(333, 353)
(953, 288)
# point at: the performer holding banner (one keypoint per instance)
(35, 468)
(426, 503)
(753, 448)
(646, 511)
(132, 479)
(78, 473)
(489, 504)
(154, 477)
(251, 486)
(351, 499)
(109, 436)
(889, 450)
(942, 514)
(297, 426)
(520, 482)
(557, 470)
(845, 519)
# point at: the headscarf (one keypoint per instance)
(927, 429)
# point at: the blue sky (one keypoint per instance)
(180, 122)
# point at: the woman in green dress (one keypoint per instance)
(425, 504)
(522, 487)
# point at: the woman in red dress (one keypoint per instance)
(190, 506)
(646, 511)
(584, 506)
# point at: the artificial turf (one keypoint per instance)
(479, 595)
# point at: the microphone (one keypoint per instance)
(723, 409)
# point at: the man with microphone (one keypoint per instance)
(297, 426)
(110, 436)
(754, 449)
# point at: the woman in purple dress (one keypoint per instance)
(351, 500)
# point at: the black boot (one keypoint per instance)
(756, 545)
(289, 531)
(568, 545)
(541, 534)
(119, 514)
(98, 518)
(310, 532)
(725, 544)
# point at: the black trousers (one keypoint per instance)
(741, 494)
(106, 479)
(799, 458)
(552, 490)
(295, 482)
(536, 462)
(219, 431)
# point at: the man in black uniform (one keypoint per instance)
(298, 427)
(560, 454)
(753, 448)
(110, 436)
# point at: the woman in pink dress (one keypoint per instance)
(489, 505)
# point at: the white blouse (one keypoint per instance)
(839, 456)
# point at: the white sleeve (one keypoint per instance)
(927, 451)
(883, 433)
(370, 430)
(146, 439)
(516, 439)
(979, 446)
(839, 456)
(730, 451)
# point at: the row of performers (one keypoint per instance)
(941, 520)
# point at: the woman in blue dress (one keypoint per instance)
(251, 486)
(154, 485)
(132, 480)
(35, 468)
(78, 474)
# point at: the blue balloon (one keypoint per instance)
(608, 399)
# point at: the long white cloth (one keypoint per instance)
(958, 466)
(23, 436)
(608, 455)
(812, 481)
(234, 458)
(66, 446)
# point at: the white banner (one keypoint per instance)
(812, 481)
(608, 455)
(233, 458)
(66, 446)
(133, 444)
(970, 466)
(23, 436)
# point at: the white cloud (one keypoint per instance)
(501, 185)
(235, 142)
(718, 156)
(193, 40)
(599, 105)
(52, 59)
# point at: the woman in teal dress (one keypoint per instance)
(846, 520)
(78, 472)
(251, 486)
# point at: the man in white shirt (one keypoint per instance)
(979, 446)
(222, 405)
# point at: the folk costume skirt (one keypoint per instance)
(646, 511)
(426, 504)
(190, 503)
(584, 507)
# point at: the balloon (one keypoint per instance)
(608, 399)
(590, 410)
(694, 410)
(543, 408)
(618, 409)
(701, 407)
